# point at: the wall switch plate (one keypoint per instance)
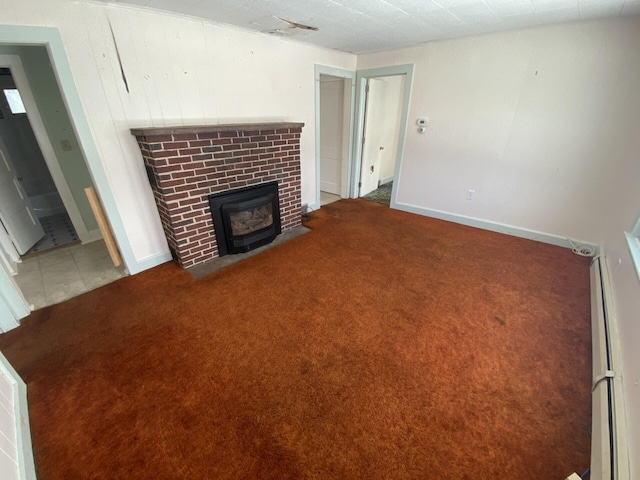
(66, 145)
(470, 194)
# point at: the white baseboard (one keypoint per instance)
(492, 226)
(91, 236)
(139, 266)
(149, 262)
(330, 187)
(386, 180)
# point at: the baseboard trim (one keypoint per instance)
(90, 236)
(492, 226)
(329, 187)
(139, 266)
(386, 180)
(149, 262)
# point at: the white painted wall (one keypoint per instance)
(180, 72)
(531, 120)
(542, 124)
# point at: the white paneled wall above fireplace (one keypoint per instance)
(179, 72)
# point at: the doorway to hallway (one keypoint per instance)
(381, 133)
(43, 173)
(381, 124)
(32, 212)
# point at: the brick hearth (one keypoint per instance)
(186, 164)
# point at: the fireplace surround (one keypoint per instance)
(186, 165)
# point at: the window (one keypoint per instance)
(633, 239)
(15, 100)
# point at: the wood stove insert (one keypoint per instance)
(246, 218)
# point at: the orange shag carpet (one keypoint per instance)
(381, 345)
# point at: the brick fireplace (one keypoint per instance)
(187, 164)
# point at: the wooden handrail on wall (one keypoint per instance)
(103, 225)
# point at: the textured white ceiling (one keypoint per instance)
(362, 26)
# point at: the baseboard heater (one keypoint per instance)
(609, 450)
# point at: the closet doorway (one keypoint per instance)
(334, 127)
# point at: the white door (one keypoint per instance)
(331, 126)
(373, 125)
(391, 130)
(16, 212)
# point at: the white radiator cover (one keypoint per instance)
(609, 450)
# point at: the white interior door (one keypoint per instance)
(16, 212)
(391, 131)
(373, 128)
(43, 142)
(331, 127)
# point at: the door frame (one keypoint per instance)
(11, 298)
(361, 81)
(348, 75)
(14, 63)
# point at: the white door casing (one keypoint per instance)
(16, 212)
(373, 124)
(361, 80)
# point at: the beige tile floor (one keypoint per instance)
(326, 198)
(61, 274)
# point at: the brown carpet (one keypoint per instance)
(381, 345)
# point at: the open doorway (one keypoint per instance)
(381, 133)
(334, 126)
(32, 212)
(383, 107)
(49, 237)
(42, 47)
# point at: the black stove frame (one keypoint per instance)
(225, 203)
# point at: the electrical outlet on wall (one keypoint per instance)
(470, 194)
